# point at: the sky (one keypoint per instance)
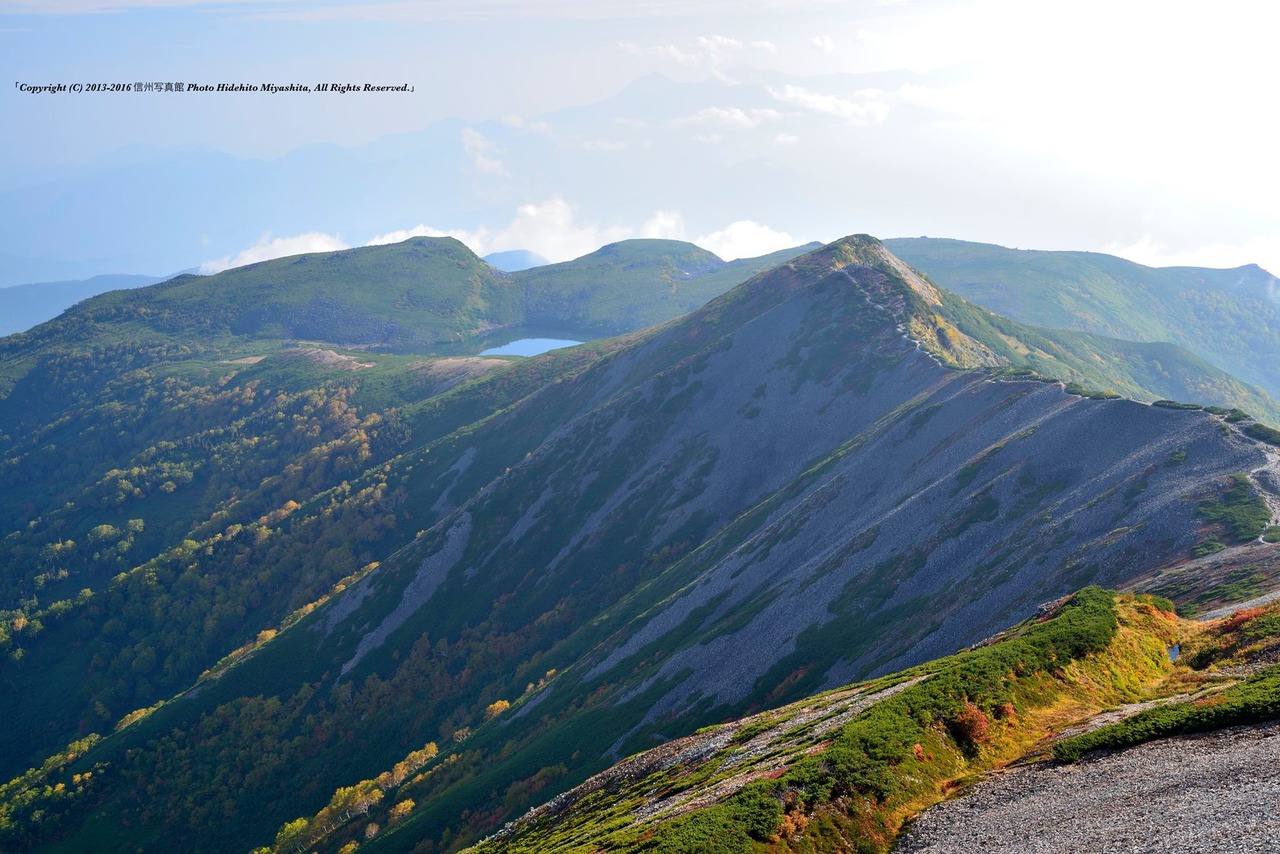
(1143, 129)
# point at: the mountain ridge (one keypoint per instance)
(434, 293)
(1102, 294)
(422, 292)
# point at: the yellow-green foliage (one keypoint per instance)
(1255, 699)
(34, 797)
(350, 802)
(968, 713)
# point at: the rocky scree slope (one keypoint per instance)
(1194, 766)
(1210, 793)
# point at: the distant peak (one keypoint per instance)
(913, 303)
(657, 250)
(867, 251)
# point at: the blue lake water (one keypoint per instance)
(529, 347)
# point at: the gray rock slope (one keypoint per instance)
(1213, 793)
(845, 504)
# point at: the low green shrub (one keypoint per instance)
(751, 815)
(975, 683)
(1254, 700)
(1244, 514)
(1263, 433)
(1164, 603)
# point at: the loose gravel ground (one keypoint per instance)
(1218, 792)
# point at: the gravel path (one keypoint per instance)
(1218, 792)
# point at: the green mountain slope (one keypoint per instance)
(415, 296)
(611, 290)
(1229, 317)
(785, 490)
(1142, 371)
(403, 295)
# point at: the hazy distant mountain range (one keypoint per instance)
(24, 306)
(515, 260)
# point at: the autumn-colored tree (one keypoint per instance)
(292, 836)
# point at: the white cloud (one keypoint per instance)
(676, 55)
(713, 52)
(601, 145)
(709, 138)
(470, 238)
(548, 228)
(1263, 251)
(786, 139)
(732, 116)
(866, 111)
(668, 225)
(745, 239)
(823, 43)
(718, 44)
(268, 247)
(482, 151)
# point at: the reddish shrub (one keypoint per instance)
(970, 725)
(1239, 618)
